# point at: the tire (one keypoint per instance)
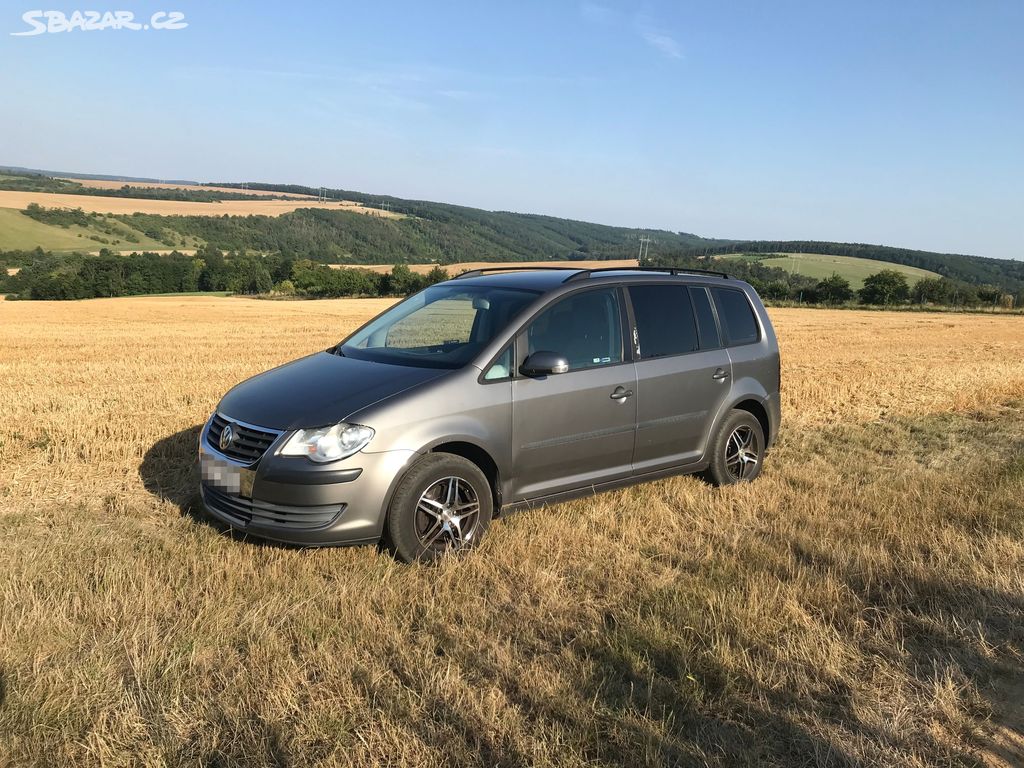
(737, 450)
(433, 512)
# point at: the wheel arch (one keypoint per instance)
(480, 457)
(758, 411)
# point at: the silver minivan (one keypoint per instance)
(499, 389)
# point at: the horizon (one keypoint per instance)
(847, 125)
(141, 178)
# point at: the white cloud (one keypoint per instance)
(658, 39)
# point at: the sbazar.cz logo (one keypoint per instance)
(41, 22)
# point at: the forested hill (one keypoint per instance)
(977, 270)
(427, 232)
(495, 235)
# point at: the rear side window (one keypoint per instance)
(706, 325)
(737, 316)
(664, 320)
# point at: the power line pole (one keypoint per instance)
(645, 247)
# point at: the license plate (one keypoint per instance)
(225, 476)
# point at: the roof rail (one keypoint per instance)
(670, 270)
(482, 270)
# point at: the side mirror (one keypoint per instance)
(545, 364)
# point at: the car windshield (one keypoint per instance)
(444, 326)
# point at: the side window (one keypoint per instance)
(706, 326)
(585, 328)
(500, 368)
(664, 320)
(737, 316)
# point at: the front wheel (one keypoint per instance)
(442, 504)
(737, 450)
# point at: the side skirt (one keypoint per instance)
(594, 490)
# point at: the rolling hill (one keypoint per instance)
(1007, 274)
(420, 232)
(19, 232)
(820, 266)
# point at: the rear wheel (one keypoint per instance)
(737, 450)
(442, 504)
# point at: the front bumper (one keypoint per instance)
(292, 500)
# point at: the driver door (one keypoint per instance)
(575, 429)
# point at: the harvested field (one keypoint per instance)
(111, 184)
(129, 205)
(862, 603)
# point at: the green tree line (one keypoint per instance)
(886, 287)
(45, 275)
(48, 276)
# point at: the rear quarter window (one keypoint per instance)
(736, 315)
(706, 325)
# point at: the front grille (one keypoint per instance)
(243, 512)
(249, 444)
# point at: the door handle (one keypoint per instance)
(720, 375)
(621, 394)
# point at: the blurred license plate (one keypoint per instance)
(224, 475)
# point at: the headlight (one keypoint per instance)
(328, 443)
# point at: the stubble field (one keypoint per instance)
(863, 602)
(114, 184)
(129, 205)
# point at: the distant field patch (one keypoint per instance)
(114, 184)
(465, 266)
(128, 205)
(820, 266)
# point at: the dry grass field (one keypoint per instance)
(128, 205)
(465, 266)
(111, 184)
(861, 604)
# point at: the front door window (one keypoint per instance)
(585, 329)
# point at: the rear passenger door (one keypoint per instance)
(683, 373)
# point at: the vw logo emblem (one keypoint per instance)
(227, 437)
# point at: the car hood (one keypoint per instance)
(318, 390)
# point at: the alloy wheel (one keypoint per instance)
(741, 452)
(447, 514)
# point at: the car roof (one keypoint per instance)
(548, 279)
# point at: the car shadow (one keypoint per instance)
(170, 471)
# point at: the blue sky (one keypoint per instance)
(898, 123)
